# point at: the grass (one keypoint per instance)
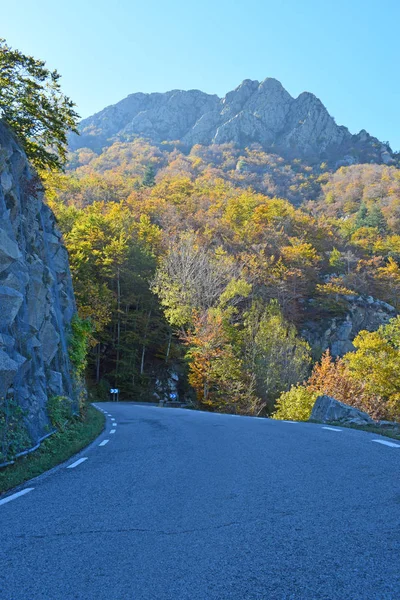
(54, 450)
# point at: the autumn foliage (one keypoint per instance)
(210, 262)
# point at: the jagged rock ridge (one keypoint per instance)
(254, 112)
(36, 296)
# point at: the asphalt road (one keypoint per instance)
(183, 505)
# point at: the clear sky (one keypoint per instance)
(344, 51)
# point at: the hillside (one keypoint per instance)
(255, 112)
(221, 268)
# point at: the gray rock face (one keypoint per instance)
(338, 333)
(329, 410)
(254, 112)
(36, 295)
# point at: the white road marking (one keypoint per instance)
(77, 462)
(112, 419)
(104, 442)
(112, 431)
(17, 495)
(332, 428)
(391, 444)
(293, 422)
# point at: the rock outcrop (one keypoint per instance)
(338, 333)
(329, 410)
(255, 112)
(36, 295)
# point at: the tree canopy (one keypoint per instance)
(34, 107)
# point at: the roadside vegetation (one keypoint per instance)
(368, 378)
(75, 435)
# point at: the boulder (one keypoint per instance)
(49, 338)
(328, 410)
(10, 302)
(9, 251)
(55, 383)
(8, 370)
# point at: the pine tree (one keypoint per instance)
(362, 216)
(376, 219)
(149, 179)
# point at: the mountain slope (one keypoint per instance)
(263, 113)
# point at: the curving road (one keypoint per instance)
(183, 505)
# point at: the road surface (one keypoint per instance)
(184, 505)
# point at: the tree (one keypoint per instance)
(273, 351)
(191, 277)
(336, 260)
(149, 179)
(376, 366)
(215, 371)
(362, 216)
(376, 219)
(33, 106)
(388, 278)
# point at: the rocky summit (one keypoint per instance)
(263, 113)
(36, 295)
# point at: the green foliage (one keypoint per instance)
(79, 342)
(54, 450)
(60, 411)
(362, 216)
(32, 104)
(336, 260)
(13, 433)
(376, 365)
(274, 352)
(295, 405)
(149, 179)
(376, 219)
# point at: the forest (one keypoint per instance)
(204, 265)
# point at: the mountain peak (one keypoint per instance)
(254, 112)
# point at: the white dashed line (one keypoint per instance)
(77, 462)
(104, 442)
(17, 495)
(293, 422)
(332, 428)
(391, 444)
(112, 431)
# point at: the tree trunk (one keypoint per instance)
(169, 346)
(98, 363)
(118, 321)
(144, 343)
(142, 361)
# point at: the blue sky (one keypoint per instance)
(345, 52)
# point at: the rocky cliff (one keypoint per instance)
(337, 333)
(255, 112)
(36, 296)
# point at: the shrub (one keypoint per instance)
(13, 433)
(59, 409)
(296, 404)
(78, 343)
